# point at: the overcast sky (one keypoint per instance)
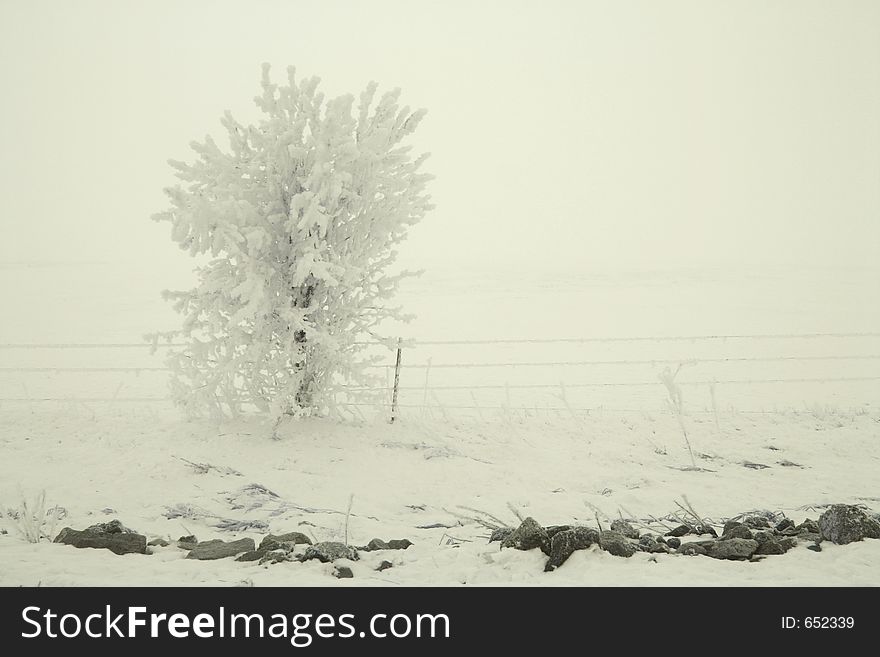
(568, 132)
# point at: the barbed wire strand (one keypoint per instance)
(412, 343)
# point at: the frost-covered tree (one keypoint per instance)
(300, 217)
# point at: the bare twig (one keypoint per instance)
(515, 511)
(348, 515)
(482, 518)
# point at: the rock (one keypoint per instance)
(343, 572)
(217, 549)
(565, 542)
(808, 526)
(111, 536)
(785, 524)
(528, 536)
(757, 522)
(187, 542)
(379, 544)
(762, 536)
(281, 555)
(706, 529)
(375, 544)
(385, 565)
(681, 530)
(500, 534)
(737, 531)
(252, 555)
(815, 547)
(272, 542)
(158, 542)
(776, 545)
(730, 524)
(555, 529)
(732, 548)
(674, 543)
(616, 543)
(844, 523)
(623, 527)
(330, 551)
(648, 543)
(692, 549)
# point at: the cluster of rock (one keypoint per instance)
(114, 536)
(751, 539)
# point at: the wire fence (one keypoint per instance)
(455, 376)
(655, 338)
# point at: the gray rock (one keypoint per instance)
(808, 526)
(385, 565)
(648, 543)
(253, 555)
(681, 530)
(706, 529)
(815, 547)
(500, 534)
(158, 542)
(733, 548)
(844, 523)
(555, 529)
(616, 543)
(330, 551)
(737, 531)
(786, 524)
(528, 536)
(281, 555)
(730, 524)
(217, 549)
(806, 536)
(691, 549)
(763, 535)
(343, 572)
(674, 543)
(111, 536)
(393, 544)
(757, 522)
(565, 543)
(112, 527)
(187, 542)
(272, 542)
(776, 545)
(623, 527)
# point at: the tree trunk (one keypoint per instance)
(305, 393)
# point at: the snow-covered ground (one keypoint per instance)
(447, 465)
(417, 473)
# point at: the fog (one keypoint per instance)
(651, 274)
(577, 134)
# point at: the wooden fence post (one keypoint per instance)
(396, 380)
